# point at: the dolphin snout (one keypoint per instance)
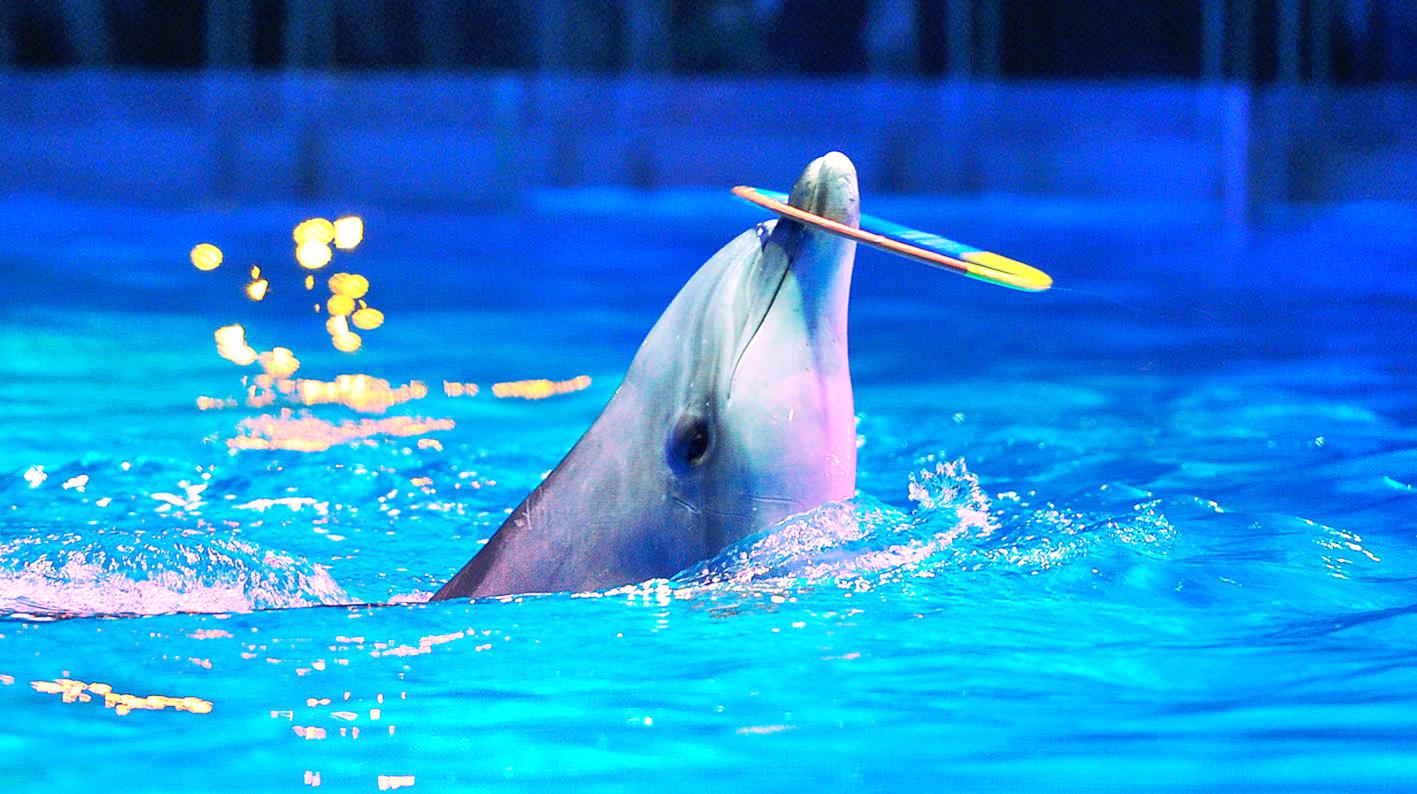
(827, 187)
(821, 261)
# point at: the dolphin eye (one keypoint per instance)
(690, 442)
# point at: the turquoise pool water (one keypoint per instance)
(1152, 530)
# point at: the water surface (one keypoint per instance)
(1153, 529)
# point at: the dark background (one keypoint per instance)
(1343, 41)
(1226, 108)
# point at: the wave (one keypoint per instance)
(954, 525)
(71, 575)
(951, 525)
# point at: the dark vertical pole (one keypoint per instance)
(1320, 40)
(1288, 37)
(991, 29)
(309, 34)
(438, 33)
(230, 33)
(1363, 34)
(891, 38)
(646, 31)
(959, 38)
(9, 21)
(550, 27)
(1280, 166)
(1213, 40)
(218, 40)
(86, 26)
(1242, 41)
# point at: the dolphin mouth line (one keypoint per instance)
(795, 231)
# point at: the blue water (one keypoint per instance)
(1154, 529)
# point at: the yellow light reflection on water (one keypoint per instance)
(350, 285)
(288, 431)
(360, 392)
(314, 229)
(231, 345)
(367, 319)
(72, 690)
(345, 305)
(339, 304)
(347, 310)
(206, 256)
(391, 782)
(259, 396)
(313, 254)
(539, 389)
(349, 232)
(347, 343)
(279, 362)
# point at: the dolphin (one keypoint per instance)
(736, 413)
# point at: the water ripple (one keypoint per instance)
(67, 574)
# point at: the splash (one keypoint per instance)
(953, 528)
(152, 574)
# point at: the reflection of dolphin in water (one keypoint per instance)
(736, 413)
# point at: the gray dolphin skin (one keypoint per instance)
(735, 413)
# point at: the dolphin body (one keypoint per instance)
(735, 413)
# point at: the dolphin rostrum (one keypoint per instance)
(735, 413)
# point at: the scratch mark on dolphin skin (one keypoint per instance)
(684, 503)
(780, 500)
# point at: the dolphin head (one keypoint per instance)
(735, 413)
